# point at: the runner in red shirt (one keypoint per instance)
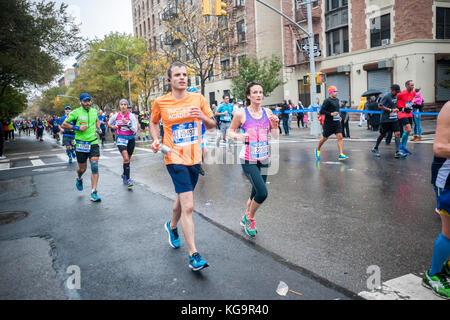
(405, 116)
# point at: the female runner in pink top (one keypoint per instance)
(257, 122)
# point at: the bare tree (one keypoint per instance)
(196, 40)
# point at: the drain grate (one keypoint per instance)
(12, 216)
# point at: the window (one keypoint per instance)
(337, 41)
(442, 23)
(188, 54)
(335, 4)
(240, 3)
(336, 27)
(380, 31)
(240, 26)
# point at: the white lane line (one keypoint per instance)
(407, 287)
(4, 166)
(143, 149)
(37, 162)
(33, 157)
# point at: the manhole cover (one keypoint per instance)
(12, 216)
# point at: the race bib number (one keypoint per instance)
(83, 146)
(337, 118)
(227, 118)
(185, 134)
(393, 116)
(259, 150)
(122, 142)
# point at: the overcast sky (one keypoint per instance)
(99, 17)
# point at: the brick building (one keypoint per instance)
(364, 44)
(370, 44)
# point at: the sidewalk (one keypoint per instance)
(356, 132)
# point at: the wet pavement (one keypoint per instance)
(320, 229)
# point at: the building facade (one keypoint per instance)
(369, 44)
(363, 44)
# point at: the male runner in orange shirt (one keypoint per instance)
(182, 114)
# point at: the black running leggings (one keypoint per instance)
(258, 180)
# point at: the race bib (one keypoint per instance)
(337, 118)
(259, 150)
(83, 146)
(122, 142)
(393, 116)
(227, 118)
(185, 134)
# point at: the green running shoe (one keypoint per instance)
(438, 284)
(249, 226)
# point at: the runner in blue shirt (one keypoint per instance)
(68, 136)
(103, 121)
(225, 111)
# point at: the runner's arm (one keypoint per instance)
(235, 124)
(134, 124)
(441, 146)
(273, 123)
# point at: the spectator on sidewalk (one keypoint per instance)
(300, 115)
(285, 117)
(418, 102)
(345, 120)
(374, 118)
(2, 139)
(362, 117)
(291, 107)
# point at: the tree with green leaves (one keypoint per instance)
(34, 38)
(265, 71)
(102, 72)
(53, 100)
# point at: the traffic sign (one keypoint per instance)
(305, 47)
(316, 53)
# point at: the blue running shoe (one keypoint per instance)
(174, 238)
(317, 153)
(406, 151)
(95, 197)
(124, 179)
(197, 263)
(342, 157)
(79, 184)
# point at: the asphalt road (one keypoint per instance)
(321, 228)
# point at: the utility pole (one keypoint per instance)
(315, 125)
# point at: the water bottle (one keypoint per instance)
(164, 149)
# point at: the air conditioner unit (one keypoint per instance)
(385, 42)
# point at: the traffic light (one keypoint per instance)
(307, 79)
(206, 7)
(321, 78)
(220, 7)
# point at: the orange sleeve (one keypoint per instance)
(156, 112)
(206, 109)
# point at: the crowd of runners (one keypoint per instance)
(177, 126)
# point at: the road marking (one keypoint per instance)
(33, 157)
(4, 165)
(143, 149)
(37, 162)
(407, 287)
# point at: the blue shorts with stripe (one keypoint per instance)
(443, 200)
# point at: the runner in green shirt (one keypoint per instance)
(86, 128)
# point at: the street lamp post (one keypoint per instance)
(128, 63)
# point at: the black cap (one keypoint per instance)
(396, 87)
